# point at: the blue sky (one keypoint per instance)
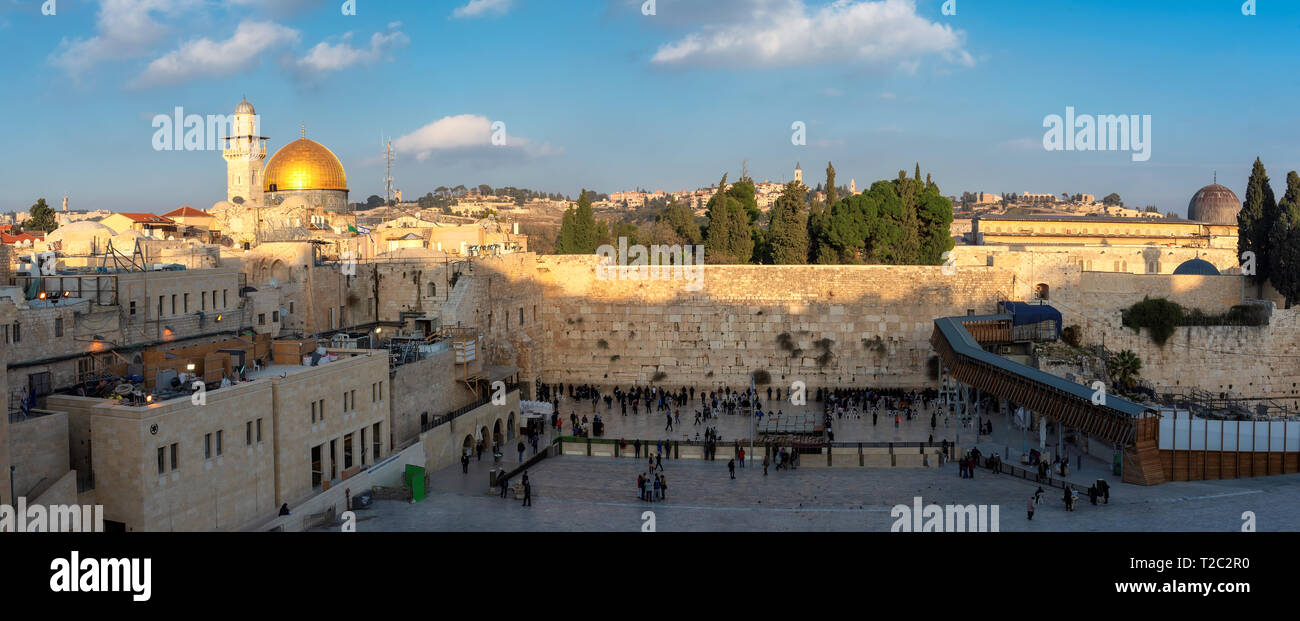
(595, 94)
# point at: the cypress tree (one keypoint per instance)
(830, 183)
(1258, 214)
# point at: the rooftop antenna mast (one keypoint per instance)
(388, 178)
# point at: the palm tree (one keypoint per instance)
(1125, 368)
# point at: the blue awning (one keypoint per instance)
(1023, 313)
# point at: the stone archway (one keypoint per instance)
(497, 435)
(511, 427)
(1042, 291)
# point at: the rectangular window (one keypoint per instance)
(521, 316)
(259, 431)
(261, 319)
(353, 400)
(374, 393)
(162, 459)
(160, 304)
(381, 390)
(313, 412)
(133, 308)
(290, 308)
(322, 409)
(176, 460)
(207, 446)
(248, 433)
(363, 446)
(187, 302)
(58, 327)
(220, 450)
(18, 332)
(376, 438)
(173, 303)
(39, 383)
(203, 300)
(225, 298)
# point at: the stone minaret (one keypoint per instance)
(245, 152)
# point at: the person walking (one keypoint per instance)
(464, 462)
(528, 491)
(636, 444)
(1030, 507)
(765, 463)
(520, 447)
(731, 467)
(663, 487)
(742, 458)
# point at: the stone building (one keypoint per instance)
(292, 431)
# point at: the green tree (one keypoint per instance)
(830, 183)
(717, 238)
(1124, 369)
(787, 229)
(681, 221)
(1284, 243)
(1112, 200)
(1259, 214)
(565, 242)
(744, 217)
(579, 232)
(43, 218)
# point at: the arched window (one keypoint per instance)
(1042, 291)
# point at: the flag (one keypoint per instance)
(29, 400)
(352, 229)
(364, 230)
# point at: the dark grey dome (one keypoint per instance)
(1214, 204)
(1197, 267)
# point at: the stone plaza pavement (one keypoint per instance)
(598, 494)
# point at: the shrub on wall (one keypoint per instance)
(1162, 317)
(1072, 335)
(1159, 316)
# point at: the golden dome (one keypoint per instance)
(304, 165)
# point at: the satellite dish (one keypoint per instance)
(238, 200)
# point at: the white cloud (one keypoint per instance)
(480, 8)
(205, 58)
(466, 133)
(124, 29)
(326, 57)
(786, 33)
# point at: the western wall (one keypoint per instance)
(861, 325)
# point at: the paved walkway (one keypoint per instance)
(598, 494)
